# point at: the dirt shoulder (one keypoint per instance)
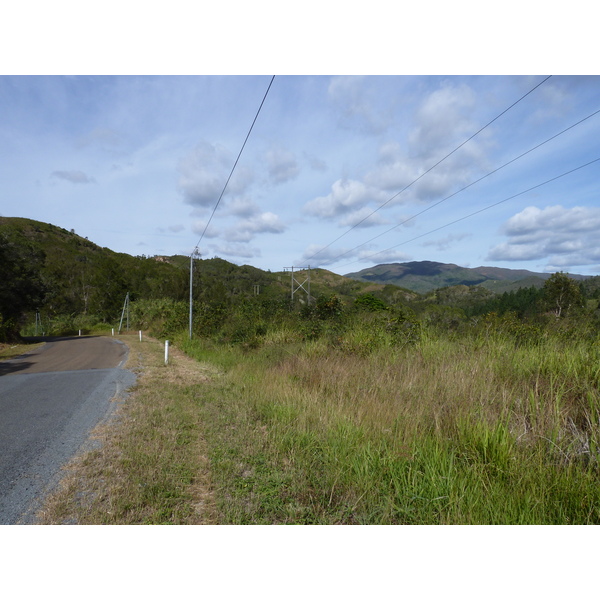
(148, 464)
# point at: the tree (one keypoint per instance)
(562, 294)
(21, 288)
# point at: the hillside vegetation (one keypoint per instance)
(364, 403)
(426, 276)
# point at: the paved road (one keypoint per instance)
(50, 399)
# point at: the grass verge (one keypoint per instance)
(8, 351)
(148, 463)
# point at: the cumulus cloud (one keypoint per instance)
(346, 196)
(73, 176)
(443, 117)
(204, 171)
(245, 230)
(242, 207)
(561, 236)
(198, 228)
(442, 122)
(282, 165)
(363, 218)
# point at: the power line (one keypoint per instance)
(482, 209)
(432, 167)
(236, 160)
(467, 186)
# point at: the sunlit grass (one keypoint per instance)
(439, 432)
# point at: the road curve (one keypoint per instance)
(50, 399)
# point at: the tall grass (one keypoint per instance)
(366, 426)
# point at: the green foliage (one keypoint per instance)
(328, 307)
(370, 302)
(522, 302)
(562, 295)
(21, 288)
(163, 317)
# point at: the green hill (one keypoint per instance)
(426, 276)
(51, 270)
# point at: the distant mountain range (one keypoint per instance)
(425, 276)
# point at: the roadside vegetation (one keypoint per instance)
(363, 404)
(381, 420)
(147, 464)
(371, 413)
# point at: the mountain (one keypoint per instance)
(80, 277)
(426, 276)
(74, 276)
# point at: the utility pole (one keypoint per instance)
(192, 256)
(125, 308)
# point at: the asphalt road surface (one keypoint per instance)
(50, 400)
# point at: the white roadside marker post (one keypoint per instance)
(166, 352)
(140, 335)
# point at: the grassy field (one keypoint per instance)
(439, 431)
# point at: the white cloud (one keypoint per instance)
(363, 218)
(244, 231)
(198, 228)
(242, 207)
(346, 196)
(442, 120)
(73, 176)
(562, 236)
(204, 172)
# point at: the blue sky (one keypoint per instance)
(137, 164)
(340, 172)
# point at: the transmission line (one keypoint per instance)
(236, 160)
(468, 185)
(431, 168)
(482, 209)
(195, 250)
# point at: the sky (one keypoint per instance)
(337, 172)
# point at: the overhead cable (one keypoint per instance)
(432, 167)
(467, 186)
(236, 160)
(481, 209)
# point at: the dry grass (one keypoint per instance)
(8, 351)
(148, 463)
(442, 432)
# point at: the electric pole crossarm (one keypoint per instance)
(299, 285)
